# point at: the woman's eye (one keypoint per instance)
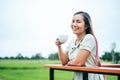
(73, 21)
(78, 21)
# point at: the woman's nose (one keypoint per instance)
(74, 24)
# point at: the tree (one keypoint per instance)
(19, 56)
(6, 57)
(108, 56)
(1, 58)
(11, 57)
(117, 57)
(53, 56)
(37, 56)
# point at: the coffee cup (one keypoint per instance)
(63, 38)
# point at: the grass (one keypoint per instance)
(33, 70)
(20, 64)
(24, 74)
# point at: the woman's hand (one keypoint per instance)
(57, 42)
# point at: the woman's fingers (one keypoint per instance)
(57, 42)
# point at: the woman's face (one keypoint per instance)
(78, 24)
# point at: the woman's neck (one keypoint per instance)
(79, 37)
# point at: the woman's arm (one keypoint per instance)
(63, 56)
(80, 58)
(88, 44)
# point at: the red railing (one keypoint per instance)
(110, 69)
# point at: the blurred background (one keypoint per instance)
(31, 26)
(28, 29)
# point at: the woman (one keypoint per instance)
(81, 51)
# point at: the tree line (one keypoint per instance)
(19, 56)
(54, 56)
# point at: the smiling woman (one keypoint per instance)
(83, 50)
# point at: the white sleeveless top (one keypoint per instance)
(88, 43)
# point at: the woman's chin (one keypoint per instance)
(75, 33)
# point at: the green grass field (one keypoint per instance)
(33, 70)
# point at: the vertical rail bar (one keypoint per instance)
(118, 77)
(85, 75)
(51, 74)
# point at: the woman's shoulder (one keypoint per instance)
(89, 36)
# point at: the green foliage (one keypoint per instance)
(19, 56)
(53, 56)
(108, 56)
(37, 56)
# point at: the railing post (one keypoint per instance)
(118, 77)
(85, 75)
(51, 74)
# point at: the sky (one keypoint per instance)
(31, 26)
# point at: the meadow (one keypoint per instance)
(33, 70)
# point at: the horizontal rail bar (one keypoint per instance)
(105, 69)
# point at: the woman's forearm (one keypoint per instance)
(63, 56)
(80, 59)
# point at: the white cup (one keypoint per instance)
(63, 38)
